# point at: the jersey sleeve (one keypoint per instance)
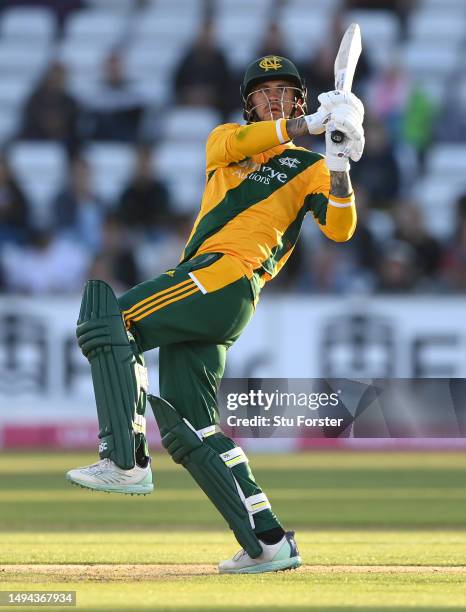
(335, 217)
(231, 142)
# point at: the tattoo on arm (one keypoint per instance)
(296, 127)
(340, 184)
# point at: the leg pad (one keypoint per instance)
(208, 469)
(118, 374)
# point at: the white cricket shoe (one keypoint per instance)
(105, 475)
(275, 557)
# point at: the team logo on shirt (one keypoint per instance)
(291, 162)
(271, 62)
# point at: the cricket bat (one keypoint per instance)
(345, 65)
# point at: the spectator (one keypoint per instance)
(51, 113)
(452, 127)
(60, 9)
(378, 171)
(363, 246)
(461, 208)
(411, 229)
(117, 105)
(454, 260)
(273, 42)
(14, 208)
(401, 8)
(202, 77)
(78, 212)
(387, 97)
(115, 263)
(47, 265)
(156, 256)
(145, 202)
(331, 270)
(398, 271)
(419, 121)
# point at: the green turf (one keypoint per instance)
(403, 510)
(277, 592)
(307, 491)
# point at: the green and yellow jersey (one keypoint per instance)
(259, 187)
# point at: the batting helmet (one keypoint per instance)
(268, 68)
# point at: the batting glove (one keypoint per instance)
(331, 100)
(346, 119)
(316, 122)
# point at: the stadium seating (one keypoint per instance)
(40, 168)
(14, 92)
(183, 168)
(9, 123)
(305, 31)
(445, 5)
(19, 59)
(438, 25)
(447, 161)
(96, 28)
(112, 166)
(437, 198)
(443, 182)
(380, 33)
(185, 124)
(153, 35)
(424, 60)
(28, 25)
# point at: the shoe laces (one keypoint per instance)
(100, 465)
(239, 555)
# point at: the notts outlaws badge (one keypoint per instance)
(291, 162)
(271, 62)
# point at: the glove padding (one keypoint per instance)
(331, 100)
(347, 119)
(316, 122)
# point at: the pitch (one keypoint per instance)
(377, 531)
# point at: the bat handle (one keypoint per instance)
(337, 136)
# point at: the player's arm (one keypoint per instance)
(230, 143)
(331, 201)
(345, 113)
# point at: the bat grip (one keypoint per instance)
(337, 136)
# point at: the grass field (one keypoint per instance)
(377, 531)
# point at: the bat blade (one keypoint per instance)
(345, 65)
(347, 57)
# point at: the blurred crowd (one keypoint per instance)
(141, 233)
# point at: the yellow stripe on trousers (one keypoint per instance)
(159, 300)
(166, 303)
(137, 306)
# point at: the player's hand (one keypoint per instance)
(344, 118)
(331, 100)
(316, 122)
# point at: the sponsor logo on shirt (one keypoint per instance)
(262, 173)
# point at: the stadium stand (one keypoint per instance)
(152, 36)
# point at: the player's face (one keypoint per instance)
(273, 100)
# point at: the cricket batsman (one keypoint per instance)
(259, 187)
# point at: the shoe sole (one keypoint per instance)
(272, 566)
(128, 490)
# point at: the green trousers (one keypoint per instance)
(194, 330)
